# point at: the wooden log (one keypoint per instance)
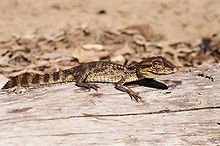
(188, 113)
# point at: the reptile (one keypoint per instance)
(86, 74)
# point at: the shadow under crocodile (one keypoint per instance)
(154, 84)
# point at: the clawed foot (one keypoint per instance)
(92, 86)
(135, 96)
(87, 86)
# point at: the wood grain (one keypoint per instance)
(188, 113)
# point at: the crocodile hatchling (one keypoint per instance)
(86, 74)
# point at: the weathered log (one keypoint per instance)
(188, 113)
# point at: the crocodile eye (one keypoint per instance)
(157, 65)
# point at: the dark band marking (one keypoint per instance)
(93, 64)
(56, 76)
(46, 78)
(36, 79)
(14, 82)
(24, 79)
(66, 73)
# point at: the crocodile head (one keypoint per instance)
(156, 66)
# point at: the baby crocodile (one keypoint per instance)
(86, 74)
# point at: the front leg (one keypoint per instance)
(120, 86)
(80, 82)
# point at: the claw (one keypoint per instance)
(93, 86)
(135, 96)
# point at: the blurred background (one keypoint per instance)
(44, 35)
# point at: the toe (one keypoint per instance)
(95, 87)
(136, 97)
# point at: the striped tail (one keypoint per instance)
(29, 79)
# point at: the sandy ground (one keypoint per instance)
(177, 19)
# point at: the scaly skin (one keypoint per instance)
(99, 72)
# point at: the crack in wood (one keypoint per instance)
(20, 110)
(58, 134)
(149, 113)
(118, 115)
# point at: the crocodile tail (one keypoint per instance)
(25, 79)
(28, 79)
